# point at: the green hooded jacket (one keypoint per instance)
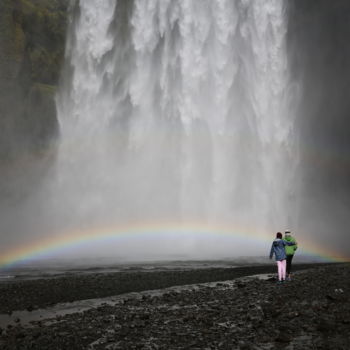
(290, 249)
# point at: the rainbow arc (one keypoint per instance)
(74, 239)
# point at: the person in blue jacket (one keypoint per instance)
(278, 248)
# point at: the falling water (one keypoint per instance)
(176, 110)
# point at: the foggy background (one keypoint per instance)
(318, 53)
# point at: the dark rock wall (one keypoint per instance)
(32, 36)
(319, 53)
(319, 32)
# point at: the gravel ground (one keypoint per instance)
(310, 312)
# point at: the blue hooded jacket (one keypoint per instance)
(277, 248)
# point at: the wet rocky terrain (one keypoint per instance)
(310, 312)
(38, 293)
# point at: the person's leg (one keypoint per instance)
(283, 268)
(290, 270)
(279, 268)
(289, 264)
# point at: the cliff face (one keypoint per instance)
(320, 54)
(32, 36)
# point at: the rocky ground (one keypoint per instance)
(45, 292)
(310, 312)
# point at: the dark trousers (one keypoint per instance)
(289, 263)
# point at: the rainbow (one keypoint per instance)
(73, 239)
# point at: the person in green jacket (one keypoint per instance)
(290, 250)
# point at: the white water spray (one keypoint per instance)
(176, 110)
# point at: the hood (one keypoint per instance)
(276, 241)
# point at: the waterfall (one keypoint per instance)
(176, 110)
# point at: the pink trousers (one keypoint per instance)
(281, 265)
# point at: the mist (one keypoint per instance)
(191, 130)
